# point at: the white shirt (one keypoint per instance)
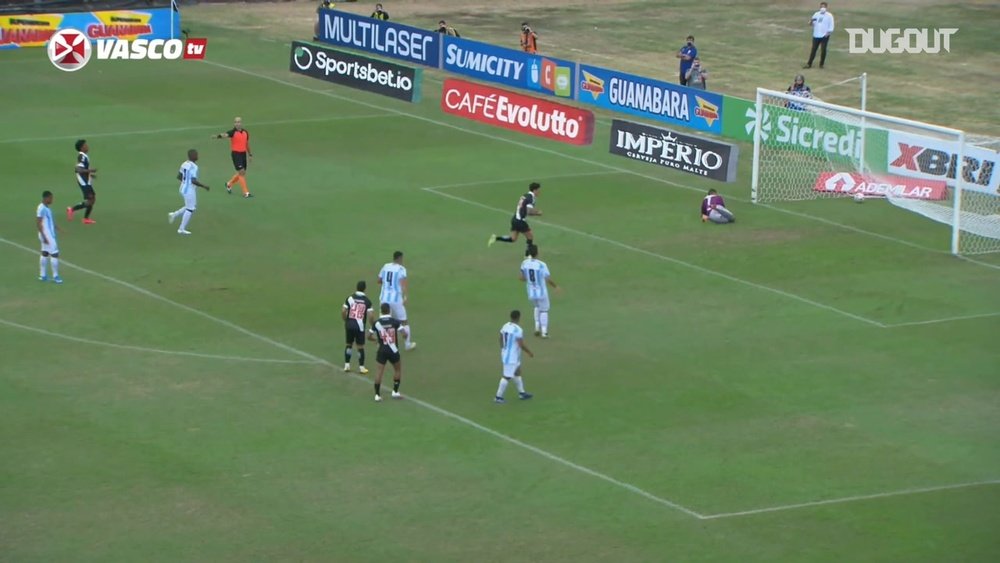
(535, 273)
(392, 276)
(822, 24)
(48, 223)
(510, 349)
(189, 172)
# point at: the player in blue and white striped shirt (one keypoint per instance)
(188, 176)
(47, 236)
(511, 345)
(392, 278)
(536, 274)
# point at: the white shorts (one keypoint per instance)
(510, 370)
(190, 200)
(398, 311)
(542, 304)
(51, 248)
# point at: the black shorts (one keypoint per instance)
(519, 225)
(355, 336)
(240, 160)
(88, 191)
(386, 355)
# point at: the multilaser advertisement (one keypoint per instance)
(34, 30)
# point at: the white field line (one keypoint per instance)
(664, 257)
(193, 128)
(149, 350)
(316, 359)
(843, 500)
(564, 155)
(945, 320)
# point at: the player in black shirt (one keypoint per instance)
(84, 176)
(519, 223)
(357, 313)
(386, 331)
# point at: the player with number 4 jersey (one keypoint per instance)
(538, 279)
(357, 313)
(392, 279)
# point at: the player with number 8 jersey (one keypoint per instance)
(357, 313)
(536, 275)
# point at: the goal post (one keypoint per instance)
(808, 149)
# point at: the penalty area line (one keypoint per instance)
(665, 258)
(424, 404)
(856, 498)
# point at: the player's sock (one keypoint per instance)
(395, 385)
(519, 381)
(378, 388)
(80, 206)
(43, 264)
(347, 355)
(243, 184)
(55, 267)
(502, 388)
(538, 325)
(545, 322)
(185, 219)
(505, 238)
(90, 209)
(361, 357)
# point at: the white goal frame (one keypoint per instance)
(863, 116)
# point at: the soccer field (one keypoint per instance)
(782, 389)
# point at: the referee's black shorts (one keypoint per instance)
(239, 160)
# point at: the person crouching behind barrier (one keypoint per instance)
(713, 209)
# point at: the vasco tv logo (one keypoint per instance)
(70, 50)
(895, 41)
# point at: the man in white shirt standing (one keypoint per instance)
(395, 287)
(188, 176)
(535, 274)
(822, 28)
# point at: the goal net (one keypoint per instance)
(807, 149)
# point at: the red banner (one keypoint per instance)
(518, 112)
(849, 183)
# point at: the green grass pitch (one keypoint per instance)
(178, 398)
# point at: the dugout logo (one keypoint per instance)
(686, 153)
(355, 71)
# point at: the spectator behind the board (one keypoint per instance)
(445, 29)
(696, 75)
(687, 54)
(798, 88)
(379, 13)
(713, 209)
(529, 39)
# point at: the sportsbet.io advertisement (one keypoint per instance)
(518, 69)
(381, 37)
(35, 30)
(644, 97)
(356, 71)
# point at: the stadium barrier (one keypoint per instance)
(356, 71)
(35, 29)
